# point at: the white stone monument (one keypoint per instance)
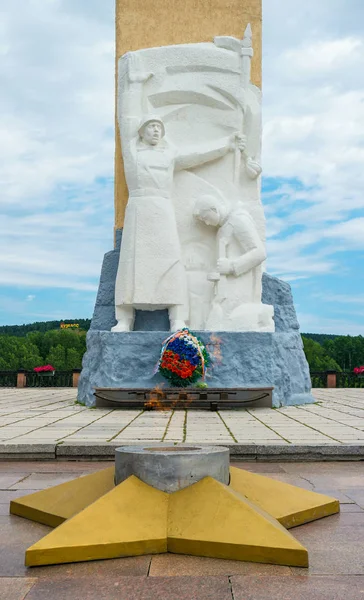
(194, 233)
(193, 241)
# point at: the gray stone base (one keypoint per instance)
(170, 469)
(248, 360)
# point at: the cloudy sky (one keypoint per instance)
(57, 144)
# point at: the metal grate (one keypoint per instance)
(318, 379)
(348, 379)
(8, 378)
(167, 398)
(59, 379)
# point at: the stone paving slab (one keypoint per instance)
(131, 588)
(14, 588)
(297, 588)
(335, 545)
(47, 423)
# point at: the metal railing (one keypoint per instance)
(344, 379)
(348, 379)
(318, 379)
(8, 378)
(59, 379)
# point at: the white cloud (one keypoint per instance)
(57, 100)
(54, 249)
(322, 57)
(314, 133)
(312, 323)
(56, 142)
(340, 298)
(350, 232)
(57, 138)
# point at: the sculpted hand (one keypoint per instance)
(225, 266)
(135, 69)
(253, 168)
(238, 140)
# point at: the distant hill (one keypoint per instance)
(43, 326)
(46, 342)
(22, 330)
(321, 337)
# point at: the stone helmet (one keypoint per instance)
(149, 119)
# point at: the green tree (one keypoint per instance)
(73, 359)
(319, 337)
(36, 338)
(347, 351)
(73, 342)
(317, 357)
(57, 357)
(42, 326)
(63, 348)
(18, 353)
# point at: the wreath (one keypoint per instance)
(183, 359)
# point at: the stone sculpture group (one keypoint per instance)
(194, 235)
(193, 244)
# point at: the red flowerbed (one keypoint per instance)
(359, 370)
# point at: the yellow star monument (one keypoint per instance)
(246, 519)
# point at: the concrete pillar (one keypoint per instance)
(150, 23)
(331, 379)
(75, 377)
(21, 379)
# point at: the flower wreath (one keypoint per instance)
(183, 359)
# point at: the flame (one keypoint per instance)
(158, 397)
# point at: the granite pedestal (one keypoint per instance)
(248, 359)
(170, 469)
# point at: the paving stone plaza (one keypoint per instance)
(45, 424)
(335, 545)
(49, 421)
